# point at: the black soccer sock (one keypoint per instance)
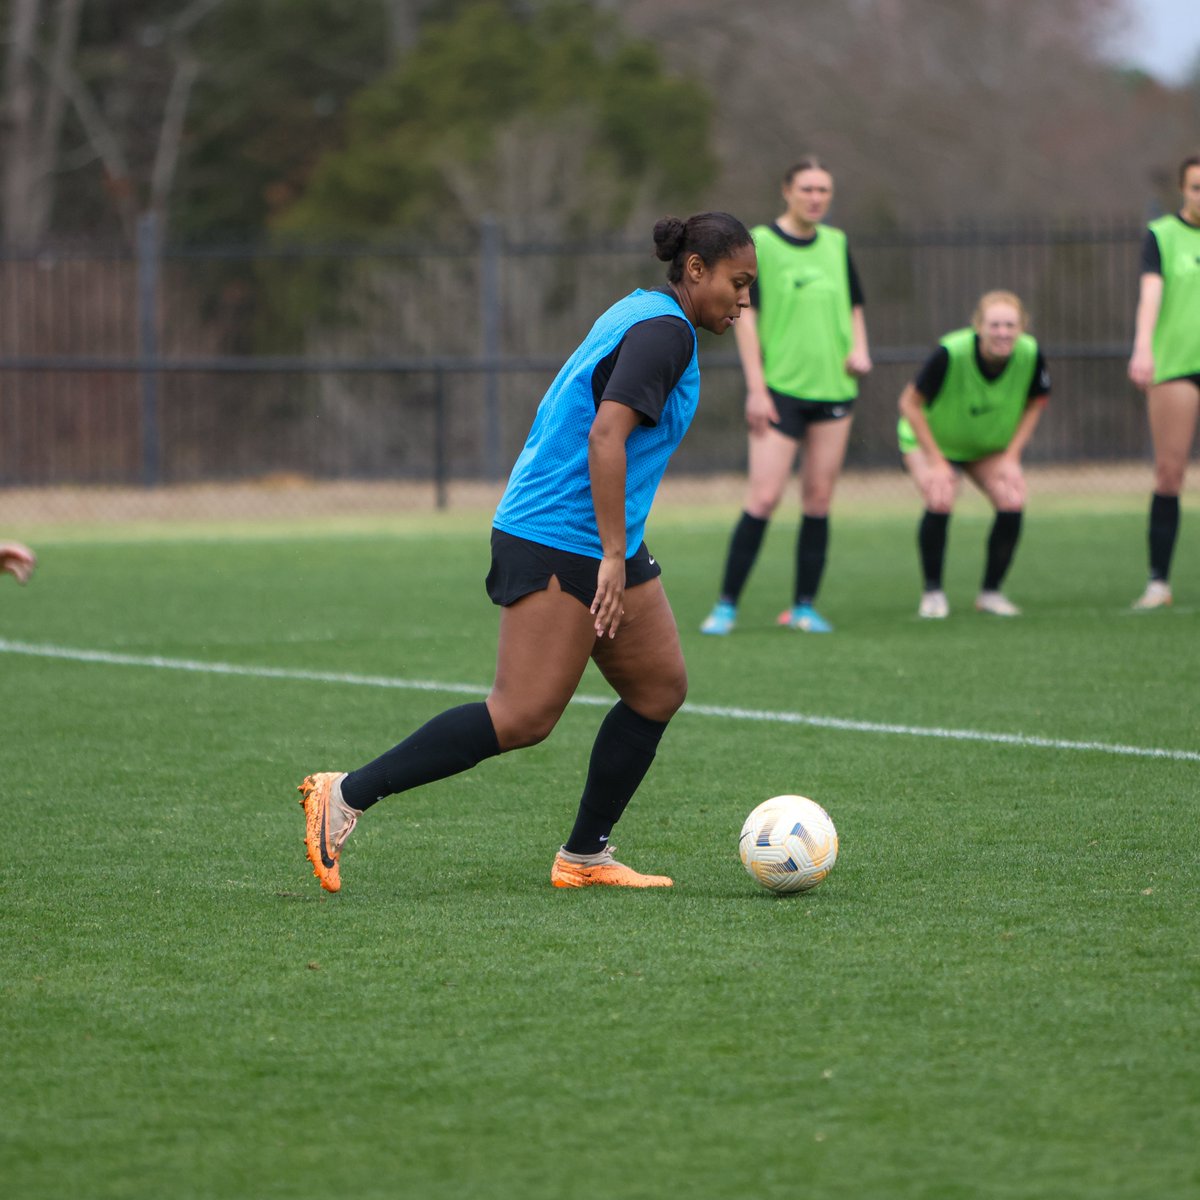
(452, 742)
(1164, 529)
(621, 756)
(931, 541)
(811, 545)
(1002, 543)
(743, 550)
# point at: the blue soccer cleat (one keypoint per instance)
(721, 620)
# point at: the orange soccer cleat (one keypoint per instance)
(600, 870)
(328, 822)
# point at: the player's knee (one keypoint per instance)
(519, 727)
(668, 697)
(762, 504)
(1168, 478)
(658, 699)
(525, 733)
(676, 694)
(938, 501)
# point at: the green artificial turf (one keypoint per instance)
(993, 995)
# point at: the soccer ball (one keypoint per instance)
(788, 844)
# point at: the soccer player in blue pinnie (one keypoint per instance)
(570, 570)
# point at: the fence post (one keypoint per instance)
(440, 465)
(489, 299)
(148, 268)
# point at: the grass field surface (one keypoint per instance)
(995, 994)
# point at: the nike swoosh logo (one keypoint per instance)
(329, 862)
(650, 557)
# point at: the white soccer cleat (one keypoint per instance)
(1156, 595)
(934, 606)
(996, 603)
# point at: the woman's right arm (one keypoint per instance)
(912, 409)
(938, 475)
(760, 408)
(1141, 362)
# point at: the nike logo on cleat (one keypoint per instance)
(329, 862)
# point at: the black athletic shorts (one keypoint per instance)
(795, 416)
(1184, 379)
(520, 566)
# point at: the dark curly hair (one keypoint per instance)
(712, 235)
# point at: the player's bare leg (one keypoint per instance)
(1172, 409)
(939, 487)
(1000, 478)
(825, 445)
(545, 640)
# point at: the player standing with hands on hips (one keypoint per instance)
(973, 408)
(802, 346)
(570, 571)
(1166, 365)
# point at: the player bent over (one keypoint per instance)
(972, 409)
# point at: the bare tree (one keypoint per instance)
(927, 110)
(42, 84)
(33, 112)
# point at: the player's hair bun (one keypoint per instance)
(669, 234)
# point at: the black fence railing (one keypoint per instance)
(195, 364)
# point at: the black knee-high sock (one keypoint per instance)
(931, 542)
(743, 550)
(1002, 543)
(811, 545)
(1164, 528)
(621, 756)
(452, 742)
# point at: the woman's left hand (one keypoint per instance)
(858, 362)
(607, 606)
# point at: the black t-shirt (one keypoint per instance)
(857, 298)
(932, 375)
(1151, 255)
(646, 366)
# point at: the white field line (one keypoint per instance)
(197, 666)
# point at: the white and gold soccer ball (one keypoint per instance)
(788, 844)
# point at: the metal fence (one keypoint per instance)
(177, 366)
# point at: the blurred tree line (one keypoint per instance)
(234, 118)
